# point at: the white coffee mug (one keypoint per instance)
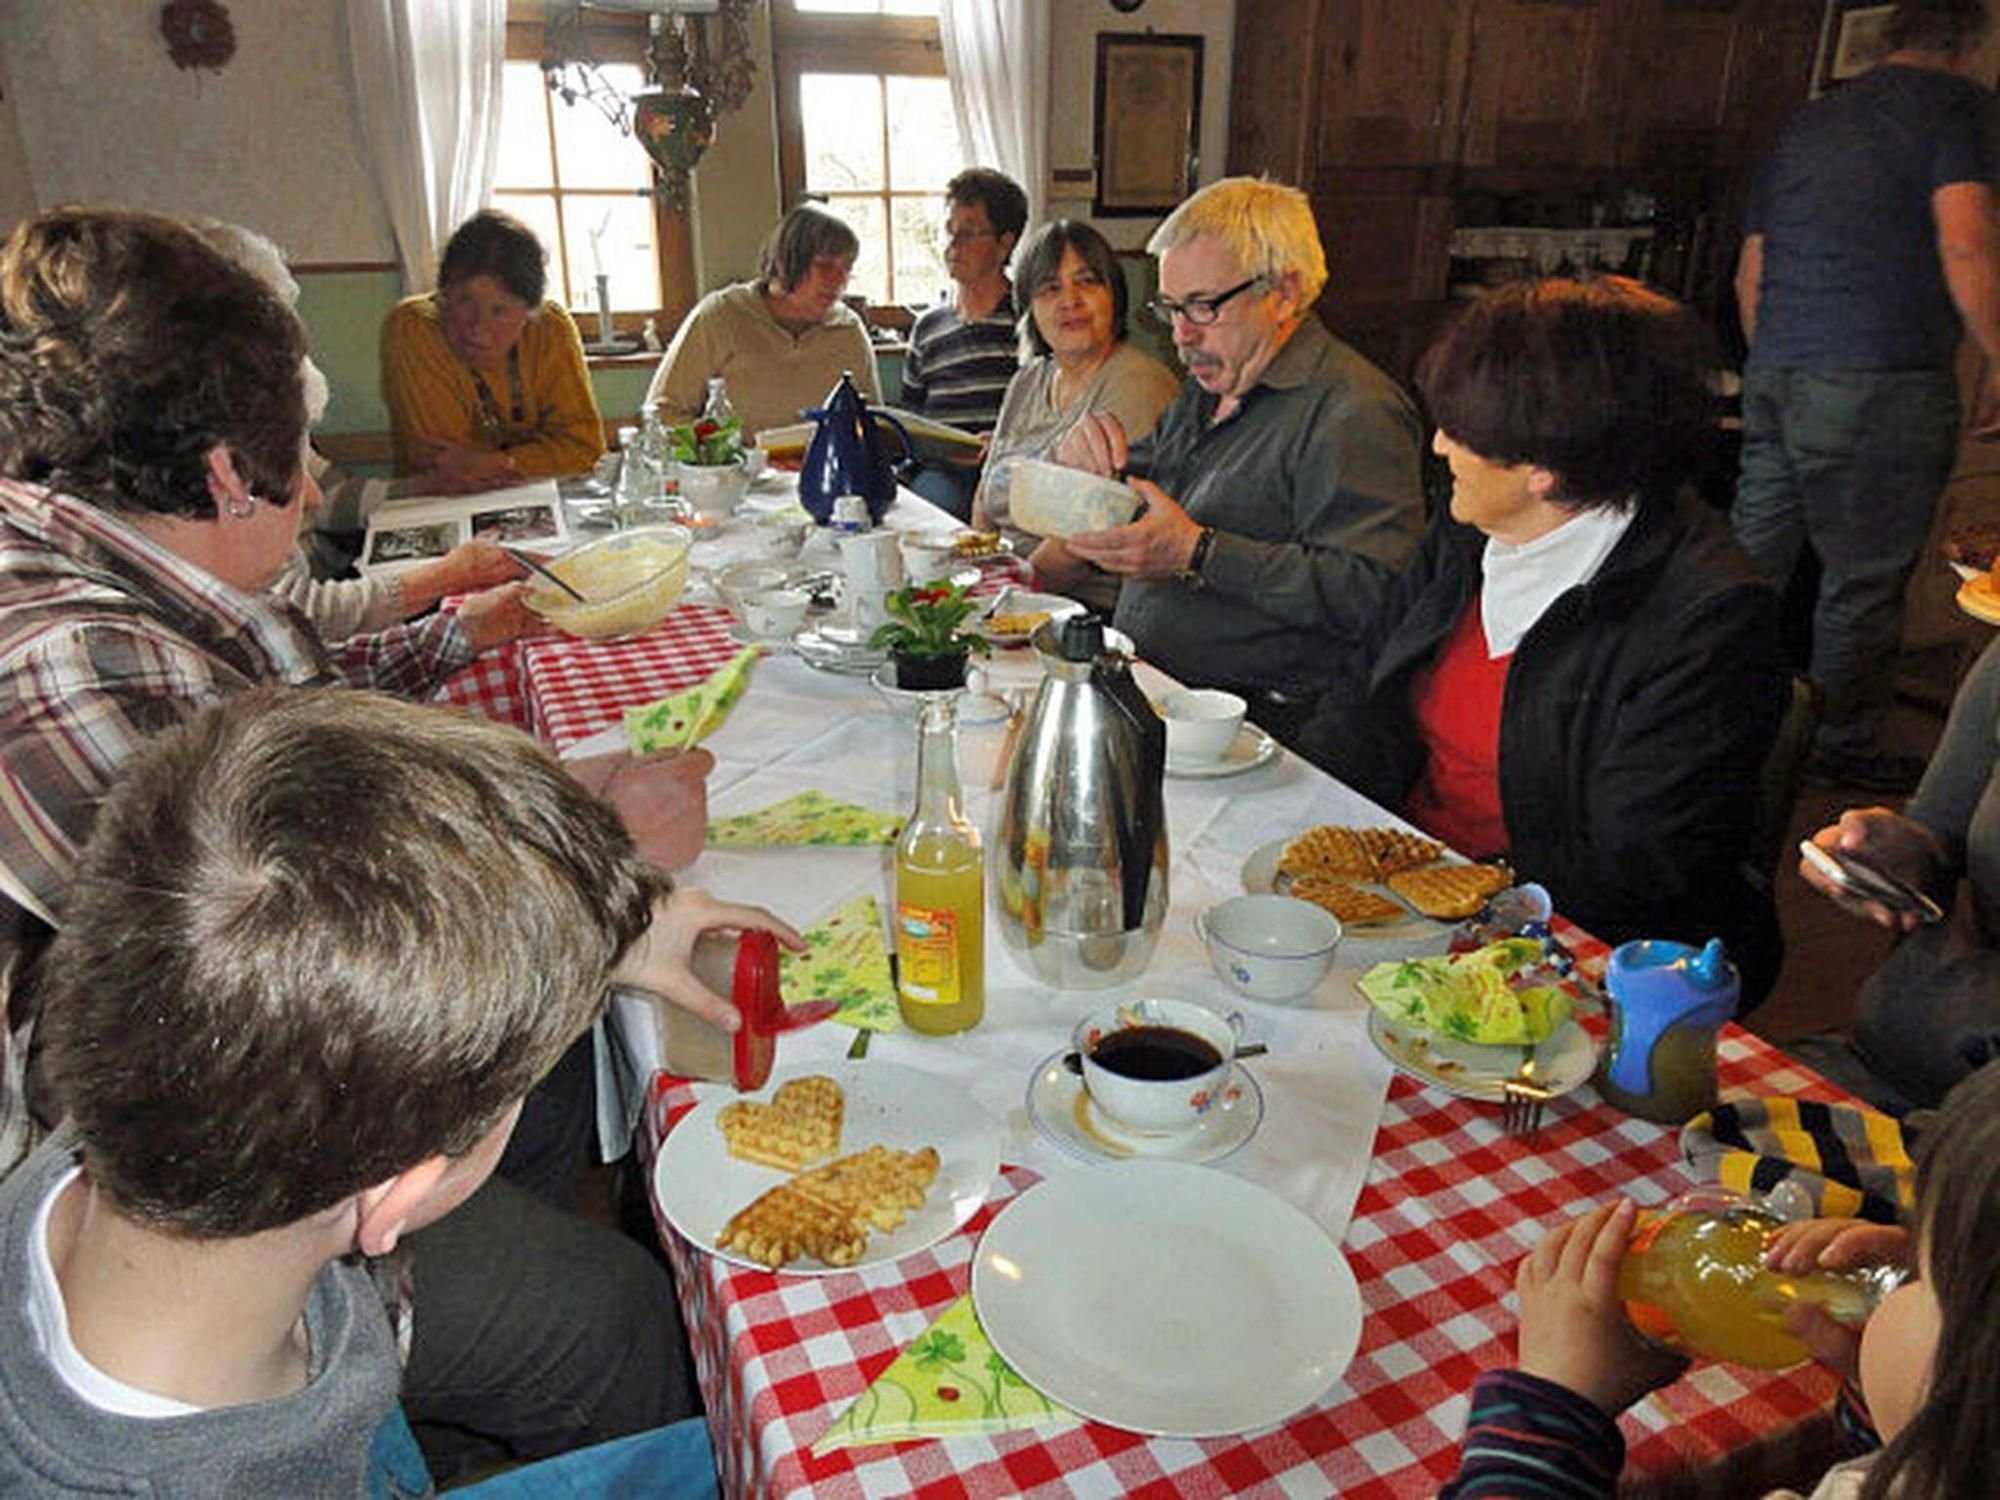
(873, 563)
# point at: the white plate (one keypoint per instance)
(1409, 936)
(1565, 1059)
(700, 1186)
(1167, 1299)
(830, 654)
(973, 708)
(744, 636)
(1250, 749)
(1062, 1111)
(1023, 602)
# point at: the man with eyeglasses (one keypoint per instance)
(964, 351)
(1283, 486)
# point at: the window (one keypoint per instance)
(866, 123)
(584, 188)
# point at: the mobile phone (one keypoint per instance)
(1859, 878)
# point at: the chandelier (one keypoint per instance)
(698, 68)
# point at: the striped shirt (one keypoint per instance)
(107, 638)
(957, 372)
(1530, 1439)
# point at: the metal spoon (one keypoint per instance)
(536, 567)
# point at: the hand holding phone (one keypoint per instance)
(1865, 882)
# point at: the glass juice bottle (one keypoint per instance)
(940, 890)
(1694, 1279)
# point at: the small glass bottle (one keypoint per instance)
(940, 889)
(1694, 1279)
(717, 408)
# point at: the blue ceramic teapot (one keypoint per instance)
(848, 455)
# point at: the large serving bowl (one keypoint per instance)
(1052, 500)
(628, 581)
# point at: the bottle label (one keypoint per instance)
(927, 956)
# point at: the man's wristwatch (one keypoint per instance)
(1191, 574)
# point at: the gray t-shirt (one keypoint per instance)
(1314, 487)
(341, 1435)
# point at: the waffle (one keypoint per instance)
(784, 1224)
(1327, 850)
(827, 1213)
(1393, 849)
(1449, 892)
(1354, 906)
(801, 1124)
(1356, 853)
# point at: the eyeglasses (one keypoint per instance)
(950, 240)
(1200, 311)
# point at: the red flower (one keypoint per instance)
(929, 596)
(706, 430)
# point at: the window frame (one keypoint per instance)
(831, 42)
(613, 38)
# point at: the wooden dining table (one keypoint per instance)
(1430, 1202)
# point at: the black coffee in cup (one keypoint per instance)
(1156, 1054)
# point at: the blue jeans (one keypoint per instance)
(668, 1463)
(1852, 461)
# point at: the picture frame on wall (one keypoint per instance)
(1851, 42)
(1148, 122)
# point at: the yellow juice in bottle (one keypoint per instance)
(941, 934)
(1694, 1279)
(940, 917)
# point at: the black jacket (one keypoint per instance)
(1637, 715)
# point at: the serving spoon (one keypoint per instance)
(544, 571)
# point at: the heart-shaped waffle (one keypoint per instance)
(800, 1125)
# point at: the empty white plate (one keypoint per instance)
(1167, 1299)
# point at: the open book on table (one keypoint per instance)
(425, 527)
(931, 438)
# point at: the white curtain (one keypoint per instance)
(427, 90)
(996, 54)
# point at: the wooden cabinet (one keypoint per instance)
(1387, 111)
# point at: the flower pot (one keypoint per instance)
(714, 489)
(926, 673)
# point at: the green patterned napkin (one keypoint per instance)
(949, 1383)
(807, 818)
(664, 724)
(846, 959)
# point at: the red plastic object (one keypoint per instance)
(755, 992)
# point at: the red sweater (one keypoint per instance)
(1456, 701)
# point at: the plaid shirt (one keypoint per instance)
(107, 638)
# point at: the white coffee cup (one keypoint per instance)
(1202, 723)
(873, 563)
(775, 612)
(1152, 1031)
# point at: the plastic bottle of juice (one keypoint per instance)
(940, 890)
(1694, 1279)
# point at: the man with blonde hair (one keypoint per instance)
(1283, 486)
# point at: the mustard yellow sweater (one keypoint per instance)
(430, 393)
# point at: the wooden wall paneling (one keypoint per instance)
(1274, 91)
(1538, 92)
(1393, 90)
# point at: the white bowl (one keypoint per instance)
(740, 580)
(1051, 500)
(1156, 1106)
(1269, 947)
(714, 489)
(1202, 723)
(775, 612)
(629, 581)
(927, 558)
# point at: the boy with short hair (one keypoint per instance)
(287, 1019)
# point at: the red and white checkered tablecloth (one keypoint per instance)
(1449, 1207)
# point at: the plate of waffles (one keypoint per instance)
(1397, 893)
(830, 1167)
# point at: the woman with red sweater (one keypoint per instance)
(1579, 669)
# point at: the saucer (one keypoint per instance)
(744, 636)
(818, 649)
(973, 707)
(1251, 748)
(1063, 1112)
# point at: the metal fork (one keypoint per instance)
(1522, 1099)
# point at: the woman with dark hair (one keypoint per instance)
(1579, 669)
(1075, 362)
(484, 380)
(780, 341)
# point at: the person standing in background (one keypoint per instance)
(1870, 241)
(963, 351)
